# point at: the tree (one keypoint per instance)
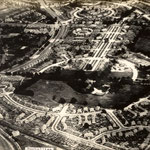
(86, 126)
(62, 101)
(85, 103)
(89, 67)
(80, 74)
(73, 100)
(54, 97)
(87, 41)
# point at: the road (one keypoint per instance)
(9, 99)
(47, 51)
(75, 14)
(92, 142)
(80, 139)
(122, 127)
(45, 144)
(6, 142)
(42, 56)
(116, 120)
(73, 137)
(145, 3)
(138, 10)
(103, 47)
(7, 96)
(132, 66)
(50, 66)
(136, 103)
(49, 10)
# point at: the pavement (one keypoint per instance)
(103, 47)
(99, 54)
(50, 66)
(73, 137)
(7, 96)
(47, 51)
(132, 66)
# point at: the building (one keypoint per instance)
(1, 116)
(15, 133)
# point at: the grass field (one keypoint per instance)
(48, 93)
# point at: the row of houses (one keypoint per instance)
(86, 110)
(24, 3)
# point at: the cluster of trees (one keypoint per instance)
(144, 68)
(49, 19)
(75, 3)
(129, 94)
(73, 100)
(130, 38)
(14, 44)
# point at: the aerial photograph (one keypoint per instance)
(74, 74)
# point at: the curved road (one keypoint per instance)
(132, 66)
(6, 143)
(73, 137)
(47, 51)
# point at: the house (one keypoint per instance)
(74, 111)
(110, 128)
(101, 130)
(92, 110)
(93, 118)
(113, 133)
(143, 146)
(145, 123)
(145, 103)
(15, 133)
(88, 135)
(80, 120)
(40, 115)
(85, 109)
(36, 130)
(133, 123)
(79, 110)
(43, 128)
(143, 113)
(20, 116)
(114, 125)
(97, 108)
(108, 135)
(139, 122)
(135, 130)
(96, 132)
(120, 134)
(63, 123)
(32, 118)
(128, 134)
(48, 123)
(56, 109)
(1, 116)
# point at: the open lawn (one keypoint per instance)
(49, 93)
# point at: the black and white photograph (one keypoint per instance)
(74, 74)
